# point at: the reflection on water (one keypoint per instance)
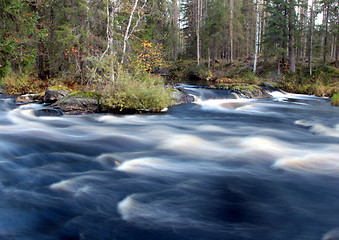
(219, 168)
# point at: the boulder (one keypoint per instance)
(27, 98)
(180, 97)
(52, 96)
(79, 103)
(247, 90)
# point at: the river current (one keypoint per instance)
(220, 168)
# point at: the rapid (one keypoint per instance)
(221, 168)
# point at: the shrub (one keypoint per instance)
(19, 85)
(141, 92)
(335, 99)
(149, 57)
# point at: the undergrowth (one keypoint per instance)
(142, 92)
(19, 85)
(335, 99)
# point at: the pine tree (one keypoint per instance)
(280, 32)
(17, 36)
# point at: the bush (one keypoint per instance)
(19, 85)
(140, 92)
(191, 70)
(335, 99)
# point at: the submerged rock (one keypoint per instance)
(48, 112)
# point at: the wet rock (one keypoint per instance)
(48, 112)
(246, 90)
(180, 97)
(27, 98)
(52, 96)
(269, 87)
(79, 103)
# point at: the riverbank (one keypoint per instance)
(127, 93)
(324, 81)
(145, 92)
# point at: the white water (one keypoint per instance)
(219, 168)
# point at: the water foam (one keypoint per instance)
(193, 146)
(320, 129)
(325, 162)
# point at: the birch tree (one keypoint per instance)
(231, 29)
(311, 30)
(257, 34)
(127, 32)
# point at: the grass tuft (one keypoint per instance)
(335, 99)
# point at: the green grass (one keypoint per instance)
(335, 99)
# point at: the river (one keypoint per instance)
(220, 168)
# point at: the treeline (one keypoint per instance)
(90, 41)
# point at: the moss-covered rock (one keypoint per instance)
(80, 102)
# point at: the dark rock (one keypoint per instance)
(48, 112)
(180, 97)
(269, 87)
(257, 93)
(79, 104)
(27, 98)
(245, 90)
(52, 96)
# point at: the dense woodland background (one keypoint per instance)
(93, 41)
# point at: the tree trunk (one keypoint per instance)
(199, 5)
(257, 34)
(110, 11)
(42, 58)
(310, 50)
(303, 13)
(127, 32)
(291, 41)
(231, 29)
(175, 22)
(336, 55)
(326, 33)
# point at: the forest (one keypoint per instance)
(119, 48)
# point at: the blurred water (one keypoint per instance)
(220, 168)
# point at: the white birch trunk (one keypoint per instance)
(109, 34)
(127, 32)
(257, 34)
(310, 52)
(231, 29)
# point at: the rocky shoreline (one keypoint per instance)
(60, 102)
